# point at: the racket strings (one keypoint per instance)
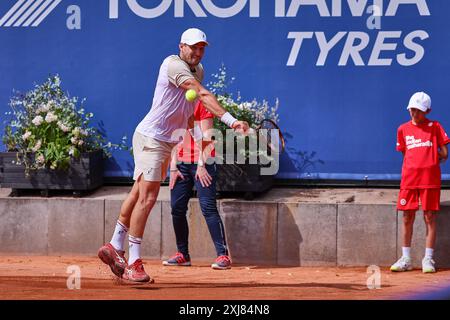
(272, 135)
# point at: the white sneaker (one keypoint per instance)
(403, 264)
(428, 265)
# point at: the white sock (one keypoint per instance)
(119, 236)
(406, 252)
(429, 253)
(134, 249)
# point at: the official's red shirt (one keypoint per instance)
(420, 144)
(188, 149)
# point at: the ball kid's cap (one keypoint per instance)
(420, 100)
(192, 36)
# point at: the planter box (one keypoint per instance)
(243, 178)
(84, 174)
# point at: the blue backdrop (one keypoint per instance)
(340, 107)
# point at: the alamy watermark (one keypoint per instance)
(374, 279)
(74, 280)
(257, 147)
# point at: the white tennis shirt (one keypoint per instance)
(170, 110)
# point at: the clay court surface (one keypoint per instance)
(45, 277)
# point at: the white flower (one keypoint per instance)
(76, 131)
(80, 143)
(83, 132)
(74, 140)
(71, 151)
(63, 127)
(40, 109)
(26, 135)
(46, 107)
(245, 106)
(40, 159)
(37, 120)
(37, 146)
(50, 117)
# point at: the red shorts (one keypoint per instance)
(409, 199)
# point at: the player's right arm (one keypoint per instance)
(181, 76)
(210, 102)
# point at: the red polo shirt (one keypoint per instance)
(420, 144)
(188, 149)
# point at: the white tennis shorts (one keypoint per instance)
(151, 157)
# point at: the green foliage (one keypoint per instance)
(253, 111)
(47, 127)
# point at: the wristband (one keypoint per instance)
(196, 133)
(228, 119)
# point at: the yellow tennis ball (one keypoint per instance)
(191, 95)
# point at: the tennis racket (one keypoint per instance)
(269, 132)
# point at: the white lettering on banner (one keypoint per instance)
(113, 9)
(380, 46)
(280, 8)
(149, 13)
(320, 4)
(410, 44)
(352, 50)
(356, 43)
(356, 7)
(412, 143)
(325, 46)
(298, 40)
(233, 10)
(194, 5)
(421, 6)
(324, 8)
(358, 47)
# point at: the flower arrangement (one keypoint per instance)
(47, 127)
(253, 111)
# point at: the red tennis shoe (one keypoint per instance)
(136, 273)
(178, 259)
(222, 263)
(115, 259)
